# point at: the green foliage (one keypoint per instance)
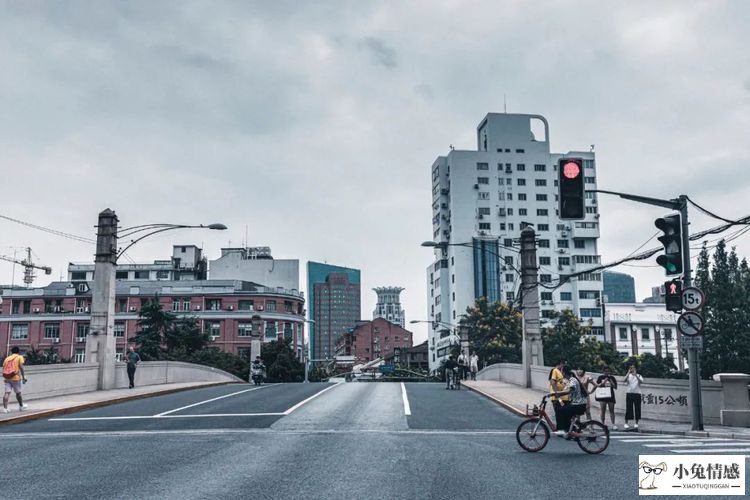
(650, 365)
(568, 339)
(212, 356)
(154, 325)
(494, 331)
(186, 336)
(37, 356)
(281, 362)
(317, 374)
(725, 280)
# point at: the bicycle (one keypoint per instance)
(533, 433)
(453, 381)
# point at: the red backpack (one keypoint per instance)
(10, 367)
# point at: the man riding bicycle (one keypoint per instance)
(450, 371)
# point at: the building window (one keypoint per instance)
(287, 306)
(541, 197)
(483, 166)
(508, 242)
(588, 294)
(213, 304)
(509, 277)
(563, 261)
(244, 329)
(288, 330)
(508, 260)
(542, 227)
(52, 330)
(121, 275)
(563, 244)
(545, 278)
(521, 196)
(270, 306)
(521, 167)
(645, 334)
(521, 211)
(270, 330)
(667, 334)
(543, 243)
(80, 356)
(82, 330)
(214, 329)
(566, 296)
(482, 195)
(246, 305)
(542, 212)
(483, 211)
(623, 333)
(141, 275)
(521, 182)
(119, 329)
(119, 355)
(540, 182)
(545, 261)
(78, 275)
(540, 168)
(591, 210)
(589, 180)
(546, 295)
(162, 275)
(591, 313)
(185, 304)
(175, 304)
(509, 296)
(485, 226)
(483, 180)
(579, 243)
(548, 313)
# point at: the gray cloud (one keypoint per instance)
(381, 53)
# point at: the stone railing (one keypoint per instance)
(61, 379)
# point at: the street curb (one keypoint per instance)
(97, 404)
(500, 402)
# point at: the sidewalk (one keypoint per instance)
(514, 398)
(58, 405)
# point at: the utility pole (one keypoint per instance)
(532, 340)
(100, 343)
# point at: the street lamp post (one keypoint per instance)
(100, 344)
(308, 356)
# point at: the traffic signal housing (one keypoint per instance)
(571, 184)
(673, 295)
(671, 261)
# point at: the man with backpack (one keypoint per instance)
(14, 377)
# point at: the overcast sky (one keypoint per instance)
(314, 124)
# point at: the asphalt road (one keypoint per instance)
(312, 441)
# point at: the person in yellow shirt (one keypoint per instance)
(557, 384)
(14, 377)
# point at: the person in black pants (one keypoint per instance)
(132, 358)
(633, 380)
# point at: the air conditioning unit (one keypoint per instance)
(230, 308)
(56, 341)
(259, 308)
(504, 268)
(593, 202)
(80, 339)
(480, 216)
(567, 228)
(564, 234)
(560, 267)
(561, 250)
(87, 309)
(132, 309)
(596, 216)
(36, 310)
(79, 309)
(476, 186)
(197, 308)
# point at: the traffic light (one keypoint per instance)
(673, 295)
(671, 261)
(571, 181)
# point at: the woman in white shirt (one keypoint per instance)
(633, 382)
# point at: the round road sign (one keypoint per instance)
(692, 298)
(690, 324)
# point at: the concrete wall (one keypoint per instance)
(663, 399)
(61, 379)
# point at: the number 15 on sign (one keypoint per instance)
(692, 298)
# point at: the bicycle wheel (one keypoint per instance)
(594, 437)
(532, 435)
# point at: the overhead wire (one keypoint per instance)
(49, 230)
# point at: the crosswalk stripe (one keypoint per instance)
(651, 440)
(647, 436)
(697, 443)
(712, 450)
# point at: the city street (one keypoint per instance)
(350, 440)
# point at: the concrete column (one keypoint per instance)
(100, 343)
(255, 340)
(735, 410)
(532, 338)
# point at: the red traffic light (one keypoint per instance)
(571, 170)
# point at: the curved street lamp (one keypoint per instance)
(159, 228)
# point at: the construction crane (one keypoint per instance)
(29, 266)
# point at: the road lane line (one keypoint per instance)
(694, 444)
(407, 408)
(290, 410)
(212, 400)
(712, 450)
(267, 431)
(141, 417)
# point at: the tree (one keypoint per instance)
(281, 363)
(494, 331)
(186, 336)
(650, 365)
(36, 356)
(570, 340)
(154, 325)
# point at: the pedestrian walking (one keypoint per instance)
(133, 359)
(14, 378)
(633, 380)
(588, 385)
(474, 365)
(463, 365)
(606, 384)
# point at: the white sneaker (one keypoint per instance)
(5, 410)
(23, 407)
(559, 433)
(626, 427)
(614, 427)
(635, 426)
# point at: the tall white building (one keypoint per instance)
(257, 265)
(483, 199)
(389, 305)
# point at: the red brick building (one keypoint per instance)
(57, 316)
(373, 339)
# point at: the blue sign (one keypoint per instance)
(387, 369)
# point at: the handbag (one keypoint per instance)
(602, 393)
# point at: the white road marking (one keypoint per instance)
(693, 444)
(141, 417)
(46, 435)
(212, 399)
(712, 450)
(290, 410)
(655, 440)
(407, 408)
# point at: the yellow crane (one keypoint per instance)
(29, 266)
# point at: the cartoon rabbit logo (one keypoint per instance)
(651, 471)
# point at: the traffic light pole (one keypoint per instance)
(680, 204)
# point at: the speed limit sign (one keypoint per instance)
(692, 298)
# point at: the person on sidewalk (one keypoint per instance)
(463, 365)
(606, 379)
(576, 404)
(474, 365)
(14, 377)
(557, 384)
(133, 359)
(588, 384)
(633, 380)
